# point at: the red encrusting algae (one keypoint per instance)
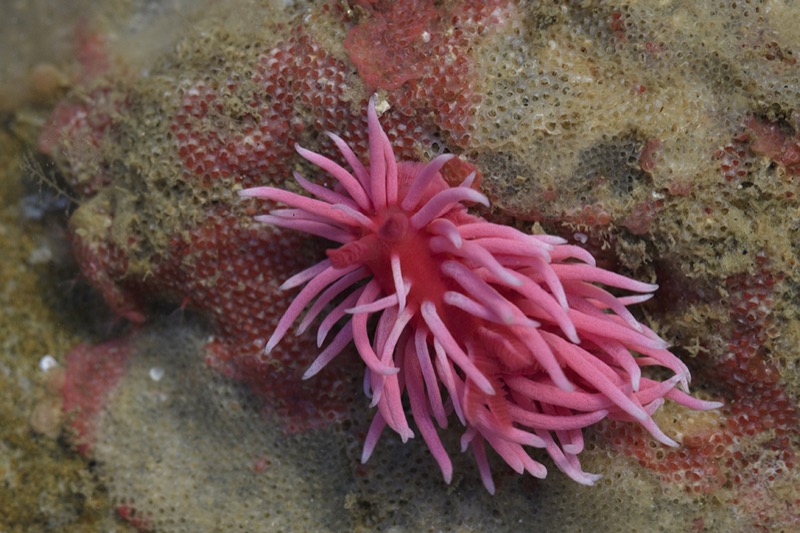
(510, 331)
(92, 373)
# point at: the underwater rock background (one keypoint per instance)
(663, 139)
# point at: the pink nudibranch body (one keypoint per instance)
(514, 333)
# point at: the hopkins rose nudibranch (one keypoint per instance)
(514, 333)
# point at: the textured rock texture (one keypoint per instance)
(664, 139)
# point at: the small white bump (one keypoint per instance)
(156, 373)
(47, 362)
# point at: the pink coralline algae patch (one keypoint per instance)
(775, 142)
(92, 373)
(419, 53)
(391, 47)
(759, 137)
(511, 332)
(135, 518)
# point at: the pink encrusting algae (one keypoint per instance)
(512, 332)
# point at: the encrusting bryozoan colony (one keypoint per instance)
(512, 332)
